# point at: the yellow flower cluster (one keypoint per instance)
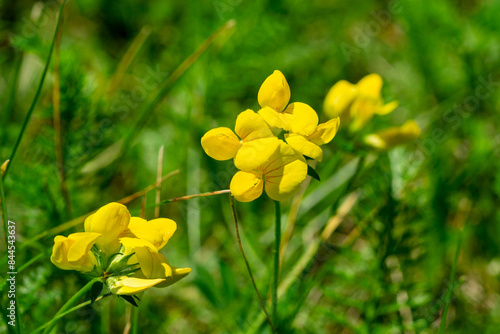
(123, 250)
(265, 161)
(358, 103)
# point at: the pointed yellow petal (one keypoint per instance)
(246, 186)
(325, 132)
(302, 145)
(77, 248)
(130, 285)
(387, 108)
(177, 274)
(111, 221)
(220, 143)
(254, 153)
(391, 137)
(370, 86)
(274, 92)
(250, 125)
(285, 182)
(302, 118)
(339, 98)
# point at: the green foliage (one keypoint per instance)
(385, 269)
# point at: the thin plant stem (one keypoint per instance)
(262, 304)
(5, 222)
(188, 197)
(449, 293)
(56, 97)
(71, 310)
(79, 294)
(135, 320)
(158, 180)
(38, 91)
(277, 237)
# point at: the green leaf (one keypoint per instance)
(312, 173)
(129, 299)
(95, 291)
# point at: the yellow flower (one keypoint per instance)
(357, 103)
(299, 119)
(281, 176)
(273, 96)
(111, 221)
(125, 285)
(145, 239)
(391, 137)
(256, 145)
(73, 252)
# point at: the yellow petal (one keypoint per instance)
(302, 118)
(246, 186)
(220, 143)
(125, 285)
(387, 108)
(391, 137)
(177, 274)
(274, 92)
(250, 125)
(339, 98)
(111, 221)
(82, 245)
(131, 244)
(283, 155)
(325, 132)
(165, 228)
(285, 182)
(79, 245)
(156, 231)
(362, 111)
(274, 119)
(370, 86)
(254, 153)
(302, 145)
(150, 263)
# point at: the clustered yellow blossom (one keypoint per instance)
(358, 103)
(264, 160)
(121, 249)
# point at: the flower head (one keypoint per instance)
(393, 136)
(357, 103)
(122, 250)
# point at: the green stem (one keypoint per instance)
(50, 325)
(5, 222)
(38, 91)
(262, 304)
(77, 307)
(449, 293)
(274, 290)
(135, 320)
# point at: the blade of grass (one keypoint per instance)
(310, 252)
(38, 91)
(158, 180)
(277, 239)
(56, 96)
(127, 59)
(147, 110)
(449, 293)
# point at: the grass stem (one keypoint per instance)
(262, 304)
(277, 237)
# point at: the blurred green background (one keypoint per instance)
(385, 269)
